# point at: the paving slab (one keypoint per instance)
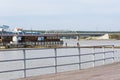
(106, 72)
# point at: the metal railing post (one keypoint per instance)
(103, 55)
(113, 53)
(24, 54)
(79, 58)
(94, 56)
(55, 60)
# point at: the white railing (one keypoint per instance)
(58, 59)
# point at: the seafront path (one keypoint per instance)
(105, 72)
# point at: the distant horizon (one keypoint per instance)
(70, 30)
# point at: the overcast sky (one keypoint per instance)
(83, 15)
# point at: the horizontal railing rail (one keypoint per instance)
(56, 57)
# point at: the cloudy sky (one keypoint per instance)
(83, 15)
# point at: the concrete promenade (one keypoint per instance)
(106, 72)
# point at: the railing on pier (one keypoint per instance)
(55, 60)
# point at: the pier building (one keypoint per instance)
(23, 38)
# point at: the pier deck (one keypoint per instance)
(106, 72)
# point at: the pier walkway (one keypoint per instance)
(106, 72)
